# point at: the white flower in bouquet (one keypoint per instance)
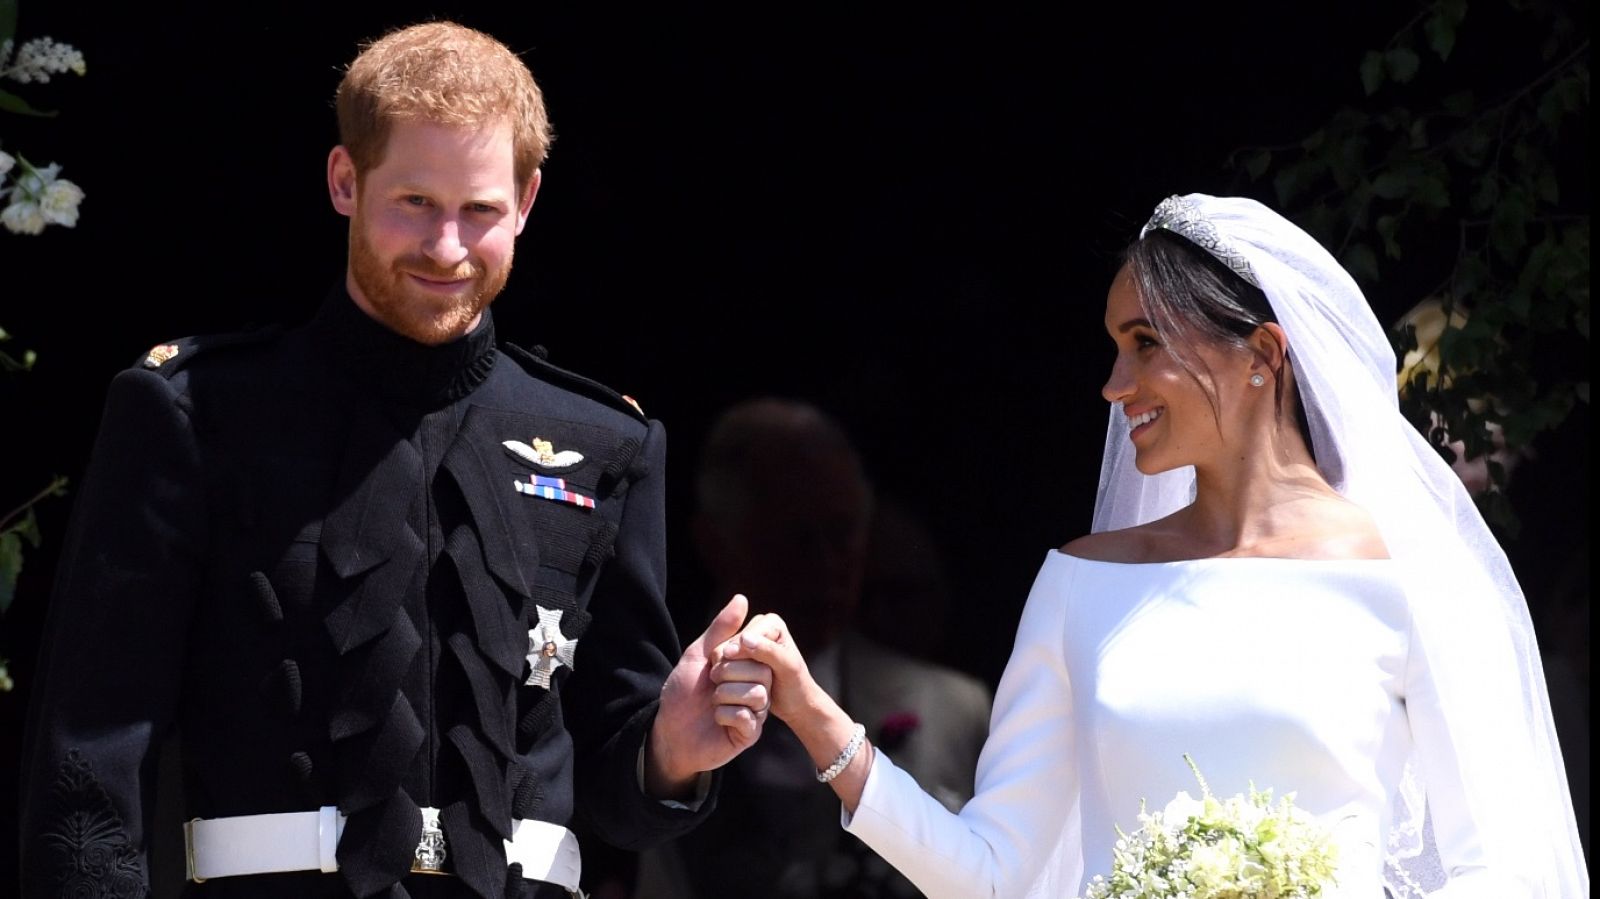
(1243, 847)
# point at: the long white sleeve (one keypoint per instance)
(1012, 838)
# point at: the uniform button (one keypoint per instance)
(300, 764)
(266, 598)
(283, 688)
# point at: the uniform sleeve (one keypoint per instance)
(1020, 829)
(1493, 806)
(113, 649)
(630, 648)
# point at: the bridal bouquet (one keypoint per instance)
(1244, 847)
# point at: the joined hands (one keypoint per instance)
(710, 710)
(766, 649)
(719, 695)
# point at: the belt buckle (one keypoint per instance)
(188, 851)
(429, 858)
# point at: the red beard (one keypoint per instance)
(426, 317)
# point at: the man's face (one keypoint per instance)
(432, 227)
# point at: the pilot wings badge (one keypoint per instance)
(542, 454)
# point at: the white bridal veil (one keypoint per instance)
(1504, 757)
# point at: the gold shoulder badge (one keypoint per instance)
(160, 354)
(634, 403)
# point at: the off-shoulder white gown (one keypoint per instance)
(1302, 676)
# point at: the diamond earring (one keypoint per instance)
(1257, 380)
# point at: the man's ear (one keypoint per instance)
(1270, 347)
(526, 205)
(342, 181)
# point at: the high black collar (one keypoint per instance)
(397, 367)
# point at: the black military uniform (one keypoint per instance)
(321, 555)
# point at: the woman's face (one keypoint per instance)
(1172, 420)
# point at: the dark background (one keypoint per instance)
(909, 218)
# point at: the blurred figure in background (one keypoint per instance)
(784, 514)
(905, 589)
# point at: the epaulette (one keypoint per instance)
(167, 358)
(537, 364)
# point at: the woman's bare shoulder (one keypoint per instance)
(1127, 545)
(1325, 528)
(1339, 529)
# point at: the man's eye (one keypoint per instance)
(416, 200)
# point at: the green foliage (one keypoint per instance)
(19, 528)
(1443, 186)
(8, 363)
(8, 20)
(11, 555)
(10, 102)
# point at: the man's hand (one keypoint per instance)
(702, 724)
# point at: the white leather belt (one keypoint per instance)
(309, 841)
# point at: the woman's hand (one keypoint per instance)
(766, 649)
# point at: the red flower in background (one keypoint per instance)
(896, 728)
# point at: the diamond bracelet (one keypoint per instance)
(858, 735)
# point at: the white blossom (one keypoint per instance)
(59, 202)
(42, 57)
(23, 217)
(37, 197)
(40, 197)
(1182, 807)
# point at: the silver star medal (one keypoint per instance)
(548, 648)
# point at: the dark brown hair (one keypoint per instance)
(1191, 297)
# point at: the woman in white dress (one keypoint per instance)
(1284, 582)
